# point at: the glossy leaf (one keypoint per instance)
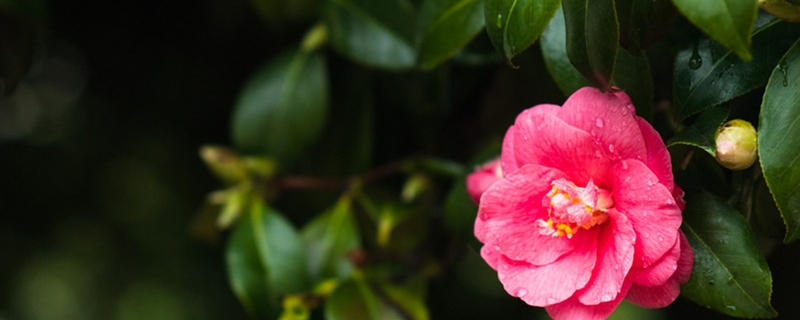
(283, 107)
(265, 259)
(592, 37)
(448, 25)
(374, 33)
(513, 25)
(702, 133)
(642, 22)
(729, 275)
(554, 51)
(329, 238)
(779, 136)
(707, 75)
(358, 300)
(729, 22)
(632, 74)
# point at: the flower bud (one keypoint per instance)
(737, 145)
(224, 162)
(788, 10)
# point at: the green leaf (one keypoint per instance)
(632, 74)
(592, 37)
(265, 259)
(513, 25)
(727, 21)
(707, 75)
(554, 51)
(374, 33)
(642, 22)
(459, 210)
(729, 275)
(702, 133)
(356, 299)
(778, 137)
(328, 239)
(447, 26)
(282, 108)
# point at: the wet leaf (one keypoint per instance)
(554, 50)
(729, 275)
(592, 37)
(328, 239)
(707, 74)
(727, 21)
(778, 136)
(513, 25)
(702, 133)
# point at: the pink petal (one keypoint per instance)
(482, 179)
(508, 213)
(614, 259)
(543, 138)
(659, 272)
(658, 159)
(508, 158)
(547, 284)
(665, 294)
(649, 206)
(573, 309)
(609, 117)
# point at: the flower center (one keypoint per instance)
(570, 208)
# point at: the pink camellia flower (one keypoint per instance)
(483, 178)
(587, 213)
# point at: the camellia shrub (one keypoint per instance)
(498, 159)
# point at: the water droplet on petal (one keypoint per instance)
(497, 248)
(647, 235)
(551, 300)
(599, 122)
(616, 267)
(624, 165)
(650, 183)
(502, 276)
(611, 148)
(505, 267)
(598, 154)
(606, 297)
(660, 239)
(644, 213)
(521, 293)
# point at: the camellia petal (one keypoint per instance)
(614, 259)
(548, 284)
(544, 139)
(509, 213)
(663, 295)
(659, 272)
(483, 178)
(608, 118)
(573, 309)
(658, 159)
(650, 207)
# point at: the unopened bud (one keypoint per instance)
(788, 10)
(737, 145)
(224, 162)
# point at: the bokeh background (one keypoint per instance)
(100, 180)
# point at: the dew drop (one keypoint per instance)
(598, 154)
(647, 235)
(731, 307)
(502, 276)
(499, 20)
(616, 267)
(695, 61)
(651, 183)
(611, 148)
(624, 165)
(497, 248)
(521, 293)
(783, 67)
(599, 122)
(505, 267)
(551, 300)
(644, 213)
(660, 239)
(606, 297)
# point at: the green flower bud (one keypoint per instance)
(737, 145)
(788, 10)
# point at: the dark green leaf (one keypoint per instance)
(702, 133)
(779, 136)
(632, 74)
(642, 22)
(356, 299)
(459, 210)
(447, 26)
(277, 11)
(729, 273)
(592, 37)
(373, 33)
(283, 107)
(513, 25)
(265, 259)
(554, 50)
(706, 74)
(727, 21)
(329, 238)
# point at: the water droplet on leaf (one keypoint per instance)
(695, 61)
(499, 20)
